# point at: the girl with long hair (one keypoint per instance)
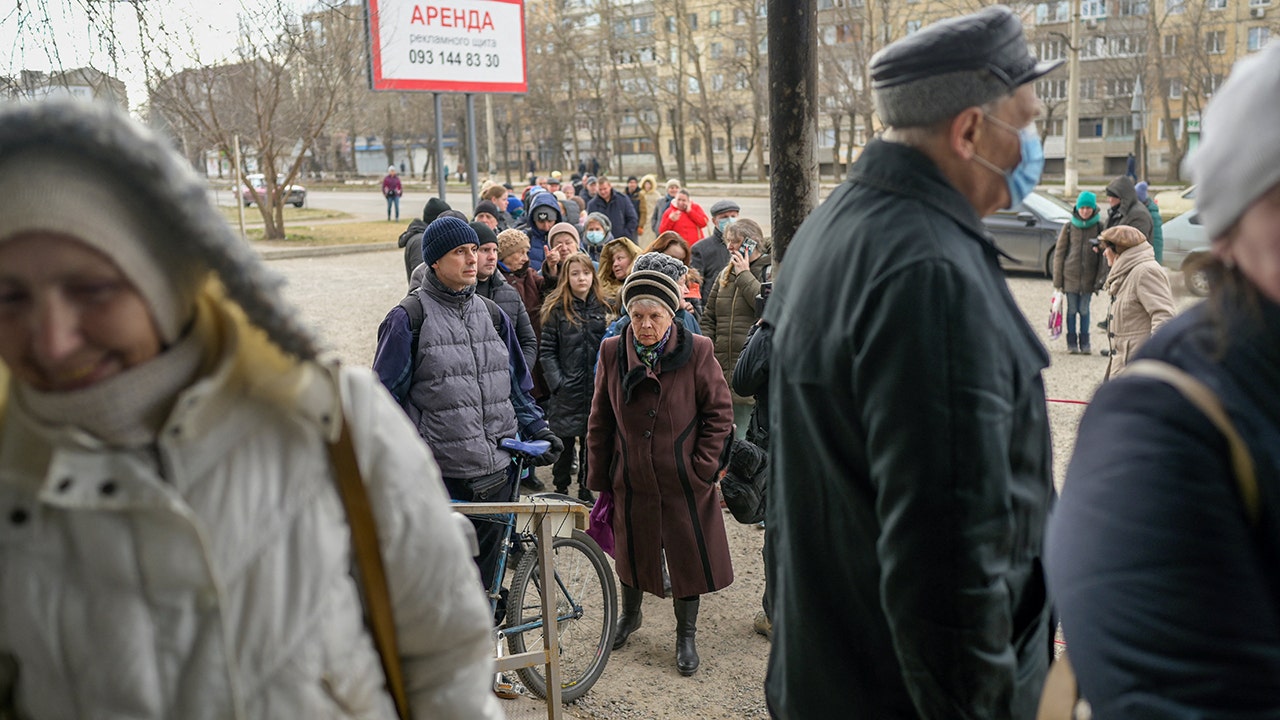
(573, 323)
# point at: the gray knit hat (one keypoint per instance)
(1231, 173)
(85, 169)
(662, 263)
(652, 284)
(443, 235)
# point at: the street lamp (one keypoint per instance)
(1138, 109)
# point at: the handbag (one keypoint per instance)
(600, 527)
(744, 483)
(371, 572)
(1061, 699)
(1055, 315)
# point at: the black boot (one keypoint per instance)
(629, 620)
(561, 484)
(586, 496)
(686, 631)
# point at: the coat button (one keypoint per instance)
(108, 488)
(64, 485)
(18, 516)
(653, 413)
(648, 433)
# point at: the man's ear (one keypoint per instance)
(963, 132)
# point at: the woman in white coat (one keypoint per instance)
(172, 543)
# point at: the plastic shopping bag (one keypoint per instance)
(601, 527)
(1055, 315)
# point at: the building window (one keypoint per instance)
(1090, 127)
(1121, 126)
(739, 17)
(1052, 12)
(671, 23)
(1216, 4)
(1126, 45)
(1259, 3)
(714, 18)
(1258, 38)
(1051, 50)
(1053, 128)
(1052, 89)
(1163, 131)
(827, 138)
(1131, 7)
(1093, 47)
(695, 145)
(1119, 87)
(642, 25)
(693, 21)
(1175, 7)
(739, 48)
(1170, 45)
(717, 82)
(1174, 88)
(671, 147)
(1094, 8)
(912, 27)
(717, 145)
(741, 144)
(717, 49)
(1210, 83)
(1215, 42)
(1089, 88)
(846, 33)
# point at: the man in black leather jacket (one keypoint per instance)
(910, 443)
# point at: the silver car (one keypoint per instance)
(1186, 244)
(294, 195)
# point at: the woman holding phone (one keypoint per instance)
(731, 307)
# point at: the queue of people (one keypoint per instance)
(175, 543)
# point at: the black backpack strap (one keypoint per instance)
(495, 314)
(413, 306)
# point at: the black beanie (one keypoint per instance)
(444, 235)
(434, 207)
(487, 206)
(485, 233)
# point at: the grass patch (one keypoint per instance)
(352, 233)
(291, 215)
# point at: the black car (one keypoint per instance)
(1029, 232)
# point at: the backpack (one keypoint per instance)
(413, 306)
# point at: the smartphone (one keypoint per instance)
(748, 247)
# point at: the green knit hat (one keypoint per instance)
(1087, 200)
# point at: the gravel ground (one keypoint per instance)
(346, 297)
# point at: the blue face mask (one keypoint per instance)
(1022, 179)
(725, 222)
(595, 237)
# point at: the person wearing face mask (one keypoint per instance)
(909, 430)
(710, 255)
(597, 231)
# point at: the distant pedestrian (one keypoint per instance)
(617, 207)
(1126, 208)
(1077, 269)
(1141, 300)
(1157, 222)
(411, 238)
(685, 217)
(392, 190)
(664, 202)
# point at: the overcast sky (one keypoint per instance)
(65, 34)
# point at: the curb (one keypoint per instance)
(319, 251)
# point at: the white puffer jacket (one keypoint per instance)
(212, 579)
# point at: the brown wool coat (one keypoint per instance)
(654, 440)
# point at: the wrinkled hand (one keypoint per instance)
(553, 453)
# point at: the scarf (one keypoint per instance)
(650, 355)
(1075, 220)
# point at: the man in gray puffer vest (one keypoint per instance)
(462, 378)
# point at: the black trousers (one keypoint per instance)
(489, 530)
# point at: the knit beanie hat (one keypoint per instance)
(1230, 171)
(510, 241)
(1087, 200)
(89, 171)
(432, 210)
(651, 284)
(484, 233)
(662, 263)
(443, 235)
(602, 219)
(1141, 189)
(487, 206)
(1122, 237)
(563, 228)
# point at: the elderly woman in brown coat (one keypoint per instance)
(660, 418)
(1141, 300)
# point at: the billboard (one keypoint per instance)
(466, 46)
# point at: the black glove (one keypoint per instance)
(553, 453)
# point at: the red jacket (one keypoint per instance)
(688, 225)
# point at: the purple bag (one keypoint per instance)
(601, 526)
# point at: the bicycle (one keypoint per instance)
(586, 596)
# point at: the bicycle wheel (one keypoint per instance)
(586, 603)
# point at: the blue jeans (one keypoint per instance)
(393, 200)
(1077, 305)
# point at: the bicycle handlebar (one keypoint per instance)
(530, 449)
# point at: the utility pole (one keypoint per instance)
(1072, 173)
(489, 132)
(793, 117)
(239, 181)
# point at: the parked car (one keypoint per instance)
(1186, 244)
(1173, 203)
(1029, 232)
(295, 195)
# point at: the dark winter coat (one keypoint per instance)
(411, 241)
(730, 313)
(621, 213)
(654, 439)
(1170, 600)
(910, 449)
(1157, 229)
(709, 256)
(538, 238)
(1131, 211)
(529, 285)
(751, 379)
(501, 292)
(659, 210)
(1076, 267)
(568, 354)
